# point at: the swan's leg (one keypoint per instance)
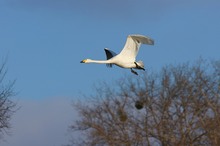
(138, 67)
(134, 72)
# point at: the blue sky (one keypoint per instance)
(46, 39)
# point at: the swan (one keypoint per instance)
(127, 57)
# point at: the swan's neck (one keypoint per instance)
(98, 61)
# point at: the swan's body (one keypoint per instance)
(127, 57)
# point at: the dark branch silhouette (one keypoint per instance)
(178, 106)
(7, 106)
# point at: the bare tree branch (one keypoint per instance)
(181, 106)
(7, 106)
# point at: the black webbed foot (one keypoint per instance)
(138, 67)
(134, 72)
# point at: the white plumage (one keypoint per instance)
(127, 57)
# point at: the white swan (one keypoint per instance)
(127, 57)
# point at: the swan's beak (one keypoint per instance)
(83, 61)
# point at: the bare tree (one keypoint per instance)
(178, 106)
(7, 106)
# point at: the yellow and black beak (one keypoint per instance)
(83, 61)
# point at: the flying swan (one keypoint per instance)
(127, 57)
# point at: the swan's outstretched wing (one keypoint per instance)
(132, 45)
(109, 55)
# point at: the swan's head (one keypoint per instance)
(85, 61)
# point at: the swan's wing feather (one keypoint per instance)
(109, 55)
(132, 45)
(143, 39)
